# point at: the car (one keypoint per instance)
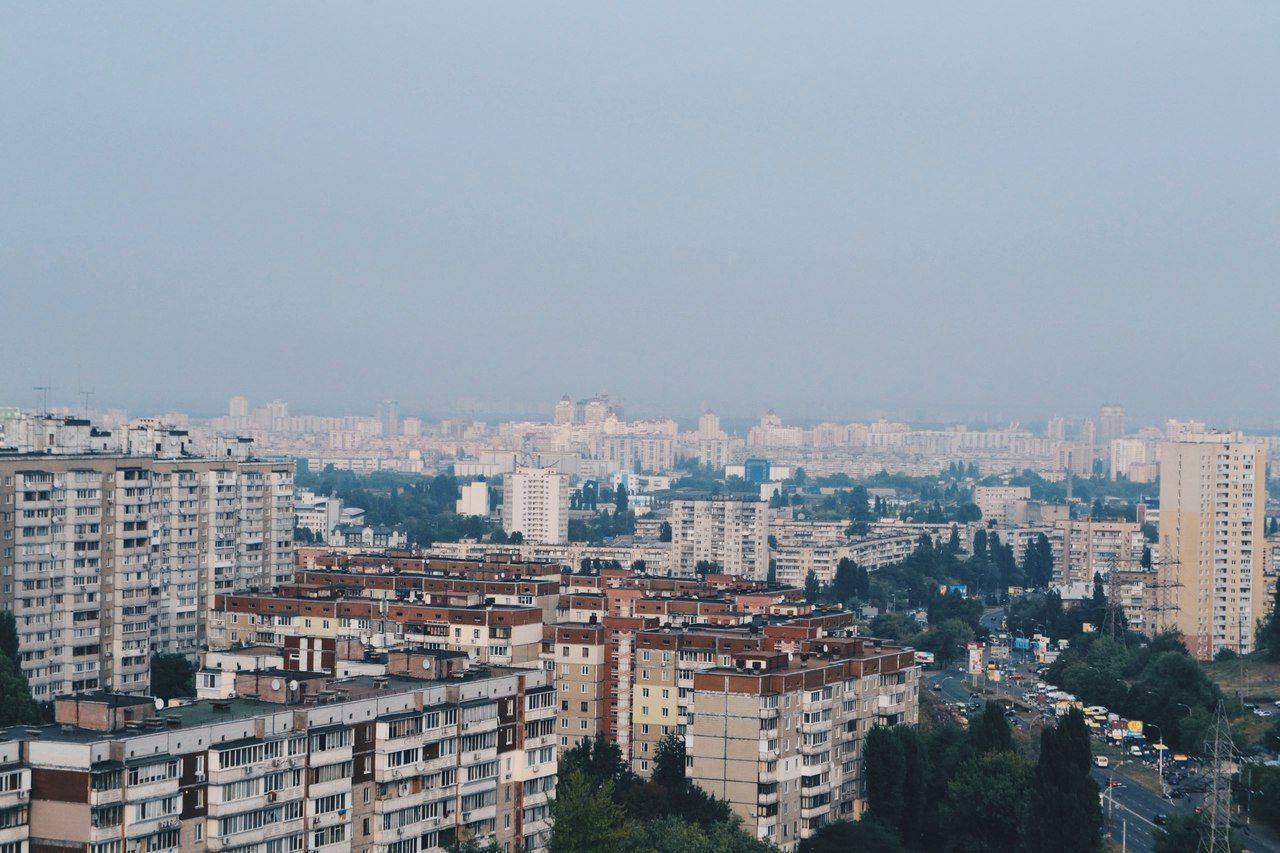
(1113, 783)
(1101, 761)
(937, 687)
(1176, 794)
(1160, 819)
(1263, 712)
(1135, 751)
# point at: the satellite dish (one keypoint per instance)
(293, 685)
(426, 663)
(275, 684)
(159, 704)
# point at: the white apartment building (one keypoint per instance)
(473, 499)
(535, 502)
(104, 558)
(1212, 495)
(733, 534)
(994, 500)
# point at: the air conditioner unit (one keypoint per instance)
(199, 777)
(22, 795)
(272, 796)
(275, 763)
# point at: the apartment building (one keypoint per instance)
(994, 501)
(1212, 495)
(389, 763)
(535, 503)
(575, 653)
(733, 534)
(779, 735)
(509, 635)
(105, 557)
(1083, 548)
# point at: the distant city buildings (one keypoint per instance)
(731, 534)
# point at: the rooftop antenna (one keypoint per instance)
(44, 397)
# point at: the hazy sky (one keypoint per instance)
(834, 210)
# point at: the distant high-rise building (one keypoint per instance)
(389, 417)
(732, 534)
(411, 427)
(1057, 429)
(1110, 424)
(535, 503)
(564, 410)
(709, 426)
(1212, 495)
(238, 407)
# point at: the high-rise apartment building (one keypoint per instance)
(564, 410)
(709, 426)
(107, 557)
(389, 418)
(1057, 429)
(1212, 493)
(535, 503)
(238, 407)
(733, 534)
(779, 735)
(1110, 424)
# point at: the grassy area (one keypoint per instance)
(1261, 681)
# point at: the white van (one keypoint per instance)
(1101, 761)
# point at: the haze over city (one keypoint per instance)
(936, 211)
(689, 427)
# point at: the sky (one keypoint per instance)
(930, 210)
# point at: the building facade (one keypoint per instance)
(733, 534)
(535, 503)
(1212, 495)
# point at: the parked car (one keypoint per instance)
(1160, 819)
(1101, 761)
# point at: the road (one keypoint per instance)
(1129, 808)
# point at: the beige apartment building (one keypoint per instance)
(1212, 495)
(779, 735)
(1083, 548)
(107, 557)
(733, 534)
(575, 651)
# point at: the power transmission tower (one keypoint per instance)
(1215, 820)
(1164, 580)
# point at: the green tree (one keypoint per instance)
(620, 499)
(18, 707)
(668, 764)
(866, 836)
(1269, 637)
(585, 818)
(885, 769)
(990, 731)
(893, 626)
(677, 835)
(946, 640)
(8, 635)
(812, 588)
(172, 676)
(986, 803)
(664, 532)
(1065, 813)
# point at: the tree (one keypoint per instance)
(620, 499)
(986, 803)
(668, 764)
(866, 836)
(1065, 813)
(516, 538)
(664, 532)
(18, 707)
(585, 819)
(772, 577)
(990, 731)
(9, 635)
(946, 640)
(850, 581)
(885, 769)
(812, 588)
(897, 627)
(1269, 638)
(673, 834)
(172, 676)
